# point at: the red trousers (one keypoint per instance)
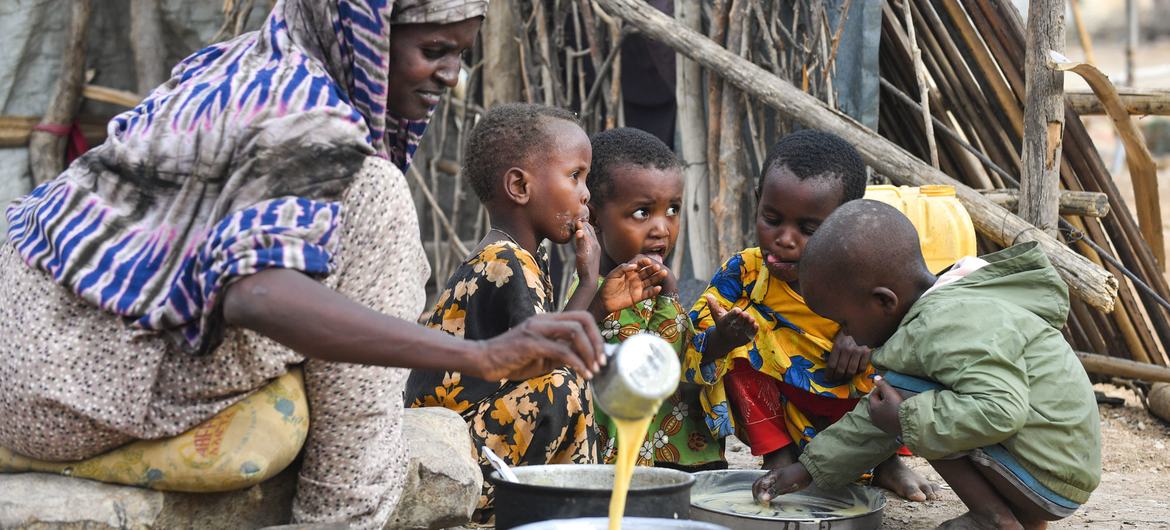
(757, 401)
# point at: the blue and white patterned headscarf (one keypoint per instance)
(233, 166)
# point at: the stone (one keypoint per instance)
(444, 481)
(441, 491)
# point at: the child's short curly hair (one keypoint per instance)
(504, 139)
(621, 146)
(810, 153)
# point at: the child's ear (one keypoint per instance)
(593, 217)
(886, 299)
(518, 186)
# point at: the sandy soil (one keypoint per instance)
(1134, 491)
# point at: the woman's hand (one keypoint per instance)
(540, 344)
(847, 358)
(787, 479)
(630, 283)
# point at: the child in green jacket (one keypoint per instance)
(998, 402)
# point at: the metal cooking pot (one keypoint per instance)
(868, 503)
(566, 491)
(628, 523)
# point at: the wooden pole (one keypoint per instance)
(1043, 116)
(1085, 279)
(1082, 203)
(146, 38)
(727, 205)
(1136, 101)
(1113, 366)
(1082, 32)
(46, 150)
(1131, 42)
(501, 54)
(693, 140)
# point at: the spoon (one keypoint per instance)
(500, 465)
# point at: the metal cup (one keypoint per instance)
(640, 373)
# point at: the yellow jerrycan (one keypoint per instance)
(944, 228)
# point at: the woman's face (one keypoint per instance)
(425, 62)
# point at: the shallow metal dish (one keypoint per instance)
(869, 501)
(628, 523)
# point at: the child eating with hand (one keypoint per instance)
(775, 372)
(978, 378)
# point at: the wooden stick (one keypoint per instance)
(1082, 203)
(111, 95)
(15, 130)
(1142, 170)
(1106, 365)
(726, 208)
(1136, 101)
(1082, 31)
(923, 87)
(1043, 116)
(46, 151)
(693, 147)
(1085, 279)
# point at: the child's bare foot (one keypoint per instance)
(982, 521)
(781, 457)
(896, 477)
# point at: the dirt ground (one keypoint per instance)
(1135, 485)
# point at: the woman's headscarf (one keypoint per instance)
(233, 166)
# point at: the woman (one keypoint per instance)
(249, 214)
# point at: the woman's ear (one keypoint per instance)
(886, 299)
(518, 186)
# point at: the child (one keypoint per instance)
(528, 164)
(776, 373)
(635, 190)
(1006, 413)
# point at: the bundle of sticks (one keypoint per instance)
(972, 55)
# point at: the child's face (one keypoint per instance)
(862, 313)
(559, 195)
(789, 211)
(641, 215)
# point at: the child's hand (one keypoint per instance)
(588, 253)
(632, 282)
(670, 283)
(847, 359)
(787, 479)
(735, 328)
(883, 407)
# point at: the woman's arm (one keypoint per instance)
(318, 322)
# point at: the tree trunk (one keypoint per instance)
(1043, 117)
(501, 55)
(727, 206)
(150, 56)
(693, 140)
(1086, 279)
(46, 150)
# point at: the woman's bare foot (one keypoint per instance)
(896, 477)
(981, 521)
(781, 457)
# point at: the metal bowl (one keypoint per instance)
(628, 523)
(725, 497)
(565, 491)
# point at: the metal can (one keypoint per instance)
(640, 372)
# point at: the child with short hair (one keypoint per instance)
(1000, 405)
(635, 204)
(528, 165)
(776, 373)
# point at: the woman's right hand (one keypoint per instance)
(540, 344)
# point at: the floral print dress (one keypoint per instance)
(678, 435)
(543, 420)
(790, 346)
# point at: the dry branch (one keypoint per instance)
(46, 150)
(1136, 101)
(1082, 203)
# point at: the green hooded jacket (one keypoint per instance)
(993, 341)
